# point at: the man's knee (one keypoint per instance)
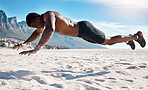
(107, 42)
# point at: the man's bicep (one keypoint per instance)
(50, 22)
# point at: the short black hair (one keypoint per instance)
(31, 17)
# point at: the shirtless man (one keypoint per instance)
(56, 23)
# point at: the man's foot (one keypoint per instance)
(131, 43)
(140, 39)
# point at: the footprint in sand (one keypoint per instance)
(40, 80)
(132, 67)
(3, 83)
(57, 75)
(124, 63)
(146, 77)
(111, 78)
(142, 66)
(68, 66)
(86, 81)
(100, 80)
(57, 85)
(124, 87)
(123, 72)
(129, 80)
(26, 78)
(87, 87)
(66, 76)
(123, 60)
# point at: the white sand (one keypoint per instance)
(74, 70)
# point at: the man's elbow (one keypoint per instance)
(38, 34)
(50, 31)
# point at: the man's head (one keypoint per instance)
(35, 20)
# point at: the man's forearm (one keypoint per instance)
(45, 37)
(33, 37)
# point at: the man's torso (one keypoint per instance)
(64, 25)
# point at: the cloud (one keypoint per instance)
(122, 3)
(118, 3)
(124, 10)
(112, 28)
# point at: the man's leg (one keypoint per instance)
(119, 39)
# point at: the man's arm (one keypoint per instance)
(33, 37)
(48, 32)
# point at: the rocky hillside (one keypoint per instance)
(10, 28)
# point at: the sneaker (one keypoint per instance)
(131, 43)
(140, 39)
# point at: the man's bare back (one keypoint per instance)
(63, 25)
(56, 23)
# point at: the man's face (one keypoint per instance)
(38, 23)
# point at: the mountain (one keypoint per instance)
(10, 28)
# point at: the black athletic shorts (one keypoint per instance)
(90, 33)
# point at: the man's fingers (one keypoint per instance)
(23, 53)
(18, 48)
(14, 48)
(20, 53)
(29, 54)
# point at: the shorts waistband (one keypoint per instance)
(81, 28)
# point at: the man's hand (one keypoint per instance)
(29, 52)
(18, 46)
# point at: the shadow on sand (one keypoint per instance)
(15, 74)
(21, 73)
(69, 76)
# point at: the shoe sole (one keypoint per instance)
(141, 39)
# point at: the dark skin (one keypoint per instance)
(56, 23)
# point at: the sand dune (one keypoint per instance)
(101, 69)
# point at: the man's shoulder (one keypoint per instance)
(49, 12)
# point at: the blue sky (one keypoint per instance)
(111, 16)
